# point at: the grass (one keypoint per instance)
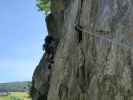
(16, 96)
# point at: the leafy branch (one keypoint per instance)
(44, 5)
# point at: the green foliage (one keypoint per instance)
(16, 96)
(44, 5)
(16, 86)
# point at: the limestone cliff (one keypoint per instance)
(89, 54)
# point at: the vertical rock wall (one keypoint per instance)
(92, 58)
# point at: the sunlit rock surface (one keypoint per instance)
(93, 54)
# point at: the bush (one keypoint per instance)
(44, 5)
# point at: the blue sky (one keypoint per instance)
(22, 31)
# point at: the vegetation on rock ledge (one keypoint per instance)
(44, 5)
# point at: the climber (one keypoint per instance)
(79, 29)
(48, 41)
(49, 66)
(50, 47)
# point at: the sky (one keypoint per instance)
(22, 32)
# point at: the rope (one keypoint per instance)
(103, 38)
(99, 36)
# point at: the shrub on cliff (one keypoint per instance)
(44, 5)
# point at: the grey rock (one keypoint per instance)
(92, 68)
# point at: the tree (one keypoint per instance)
(44, 5)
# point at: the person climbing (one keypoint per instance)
(79, 29)
(50, 47)
(48, 41)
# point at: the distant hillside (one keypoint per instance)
(15, 86)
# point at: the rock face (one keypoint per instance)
(90, 56)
